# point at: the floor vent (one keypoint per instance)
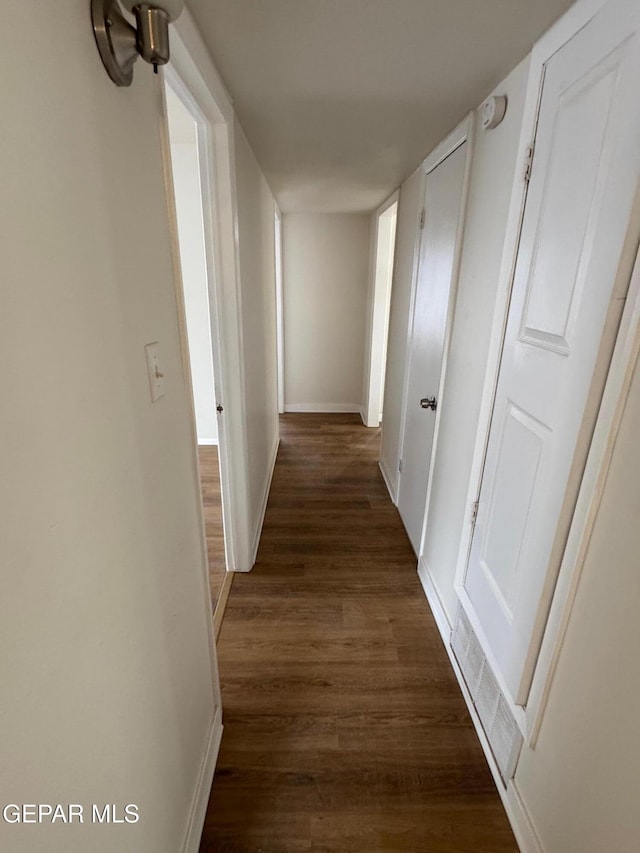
(493, 710)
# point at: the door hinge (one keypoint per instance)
(474, 511)
(400, 466)
(528, 163)
(423, 215)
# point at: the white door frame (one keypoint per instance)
(462, 133)
(379, 304)
(393, 481)
(208, 196)
(625, 355)
(210, 105)
(279, 276)
(194, 289)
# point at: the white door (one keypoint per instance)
(566, 294)
(443, 201)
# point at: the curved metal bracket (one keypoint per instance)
(116, 40)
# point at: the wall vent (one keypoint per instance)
(493, 710)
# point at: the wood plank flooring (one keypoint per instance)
(212, 504)
(345, 729)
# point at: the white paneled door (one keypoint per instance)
(443, 201)
(566, 301)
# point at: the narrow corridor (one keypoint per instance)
(345, 729)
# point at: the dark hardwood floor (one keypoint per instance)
(212, 504)
(345, 730)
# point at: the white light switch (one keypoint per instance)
(156, 376)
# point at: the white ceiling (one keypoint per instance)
(341, 99)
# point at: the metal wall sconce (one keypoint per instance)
(120, 43)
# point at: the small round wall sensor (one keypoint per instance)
(493, 111)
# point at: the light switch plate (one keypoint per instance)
(156, 375)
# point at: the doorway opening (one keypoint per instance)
(277, 233)
(382, 277)
(186, 155)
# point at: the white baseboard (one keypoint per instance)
(329, 408)
(520, 821)
(435, 602)
(388, 482)
(221, 602)
(515, 808)
(263, 508)
(200, 800)
(363, 416)
(207, 442)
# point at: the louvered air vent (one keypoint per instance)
(493, 710)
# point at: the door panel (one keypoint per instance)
(518, 455)
(443, 200)
(568, 199)
(582, 189)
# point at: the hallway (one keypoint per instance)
(345, 729)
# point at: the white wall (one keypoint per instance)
(495, 168)
(186, 183)
(408, 213)
(580, 784)
(106, 668)
(326, 262)
(258, 308)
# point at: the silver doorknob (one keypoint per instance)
(429, 403)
